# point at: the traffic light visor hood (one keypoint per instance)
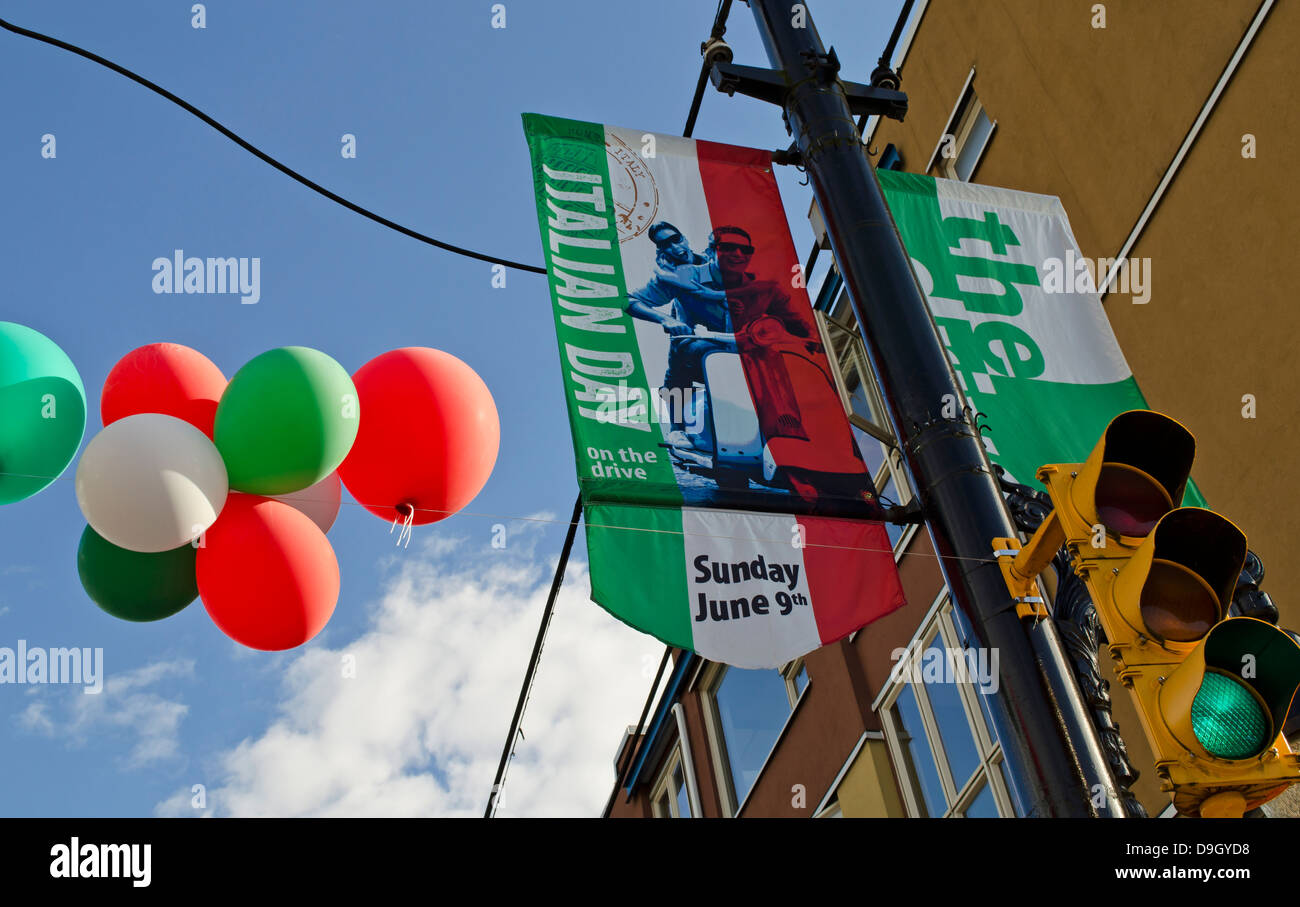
(1179, 582)
(1136, 474)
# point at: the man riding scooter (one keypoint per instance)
(686, 292)
(716, 306)
(719, 295)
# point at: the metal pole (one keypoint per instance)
(558, 580)
(1047, 742)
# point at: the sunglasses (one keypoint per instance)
(735, 247)
(669, 240)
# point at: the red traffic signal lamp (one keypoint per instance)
(1212, 691)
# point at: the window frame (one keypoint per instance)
(970, 116)
(940, 625)
(789, 673)
(664, 785)
(856, 354)
(709, 682)
(959, 125)
(855, 357)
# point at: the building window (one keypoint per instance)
(866, 410)
(796, 680)
(965, 138)
(670, 798)
(747, 711)
(832, 811)
(948, 761)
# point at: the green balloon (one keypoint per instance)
(134, 585)
(42, 411)
(286, 420)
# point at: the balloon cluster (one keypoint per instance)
(224, 491)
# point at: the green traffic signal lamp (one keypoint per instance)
(1230, 697)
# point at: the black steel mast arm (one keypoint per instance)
(771, 86)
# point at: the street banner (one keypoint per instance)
(748, 589)
(703, 408)
(1018, 311)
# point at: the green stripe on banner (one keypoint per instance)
(637, 557)
(616, 438)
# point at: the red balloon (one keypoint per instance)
(164, 378)
(267, 574)
(428, 437)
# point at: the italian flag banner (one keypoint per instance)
(748, 589)
(728, 507)
(1019, 313)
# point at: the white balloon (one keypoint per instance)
(151, 483)
(320, 501)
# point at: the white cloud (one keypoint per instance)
(419, 729)
(126, 704)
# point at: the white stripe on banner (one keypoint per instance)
(667, 188)
(756, 607)
(1070, 327)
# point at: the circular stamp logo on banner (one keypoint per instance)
(636, 197)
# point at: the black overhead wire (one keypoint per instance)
(508, 751)
(257, 152)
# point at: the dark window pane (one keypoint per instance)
(889, 493)
(983, 806)
(920, 770)
(873, 452)
(753, 706)
(986, 700)
(860, 400)
(1017, 805)
(941, 678)
(970, 152)
(683, 797)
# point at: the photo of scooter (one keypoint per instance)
(727, 443)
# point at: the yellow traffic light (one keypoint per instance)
(1174, 586)
(1212, 691)
(1135, 475)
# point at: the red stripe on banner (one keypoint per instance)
(790, 381)
(850, 586)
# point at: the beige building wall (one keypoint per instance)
(1096, 116)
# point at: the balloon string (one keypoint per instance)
(645, 529)
(407, 522)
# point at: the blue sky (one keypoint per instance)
(433, 96)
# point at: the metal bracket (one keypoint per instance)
(771, 86)
(1028, 605)
(865, 101)
(752, 81)
(906, 514)
(788, 156)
